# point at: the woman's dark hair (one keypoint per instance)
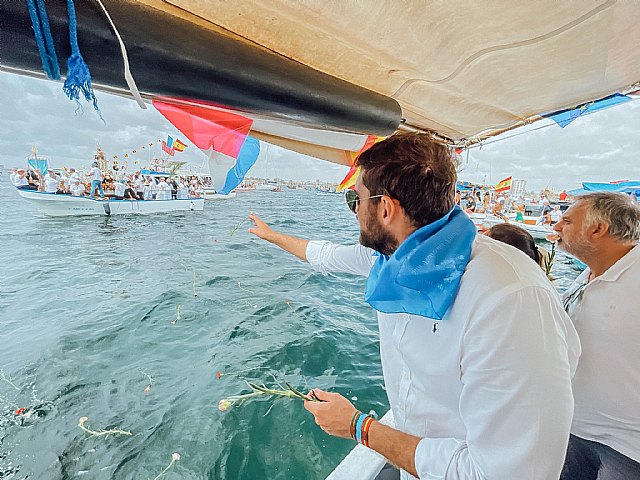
(516, 237)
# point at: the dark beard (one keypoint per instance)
(375, 237)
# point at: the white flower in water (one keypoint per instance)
(224, 405)
(175, 456)
(147, 389)
(83, 420)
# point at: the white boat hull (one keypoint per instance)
(212, 195)
(67, 205)
(539, 232)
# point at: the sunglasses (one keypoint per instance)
(574, 298)
(353, 200)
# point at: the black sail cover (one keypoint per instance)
(173, 57)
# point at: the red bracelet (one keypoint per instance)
(365, 430)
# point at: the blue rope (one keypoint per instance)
(78, 76)
(44, 40)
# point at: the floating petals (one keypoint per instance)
(224, 405)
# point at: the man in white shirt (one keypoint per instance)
(51, 182)
(119, 190)
(476, 351)
(20, 180)
(73, 175)
(96, 181)
(77, 189)
(164, 190)
(555, 214)
(602, 230)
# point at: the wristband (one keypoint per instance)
(352, 425)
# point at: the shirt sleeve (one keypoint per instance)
(516, 402)
(326, 257)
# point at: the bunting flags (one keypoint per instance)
(565, 117)
(169, 141)
(221, 131)
(503, 185)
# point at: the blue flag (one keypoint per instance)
(565, 117)
(169, 141)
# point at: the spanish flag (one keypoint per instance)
(178, 146)
(503, 185)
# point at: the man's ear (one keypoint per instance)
(391, 210)
(599, 230)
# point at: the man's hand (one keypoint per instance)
(333, 413)
(260, 229)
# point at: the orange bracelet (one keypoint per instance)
(365, 430)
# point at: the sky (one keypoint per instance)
(601, 147)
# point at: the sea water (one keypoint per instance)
(128, 320)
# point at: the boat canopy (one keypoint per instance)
(625, 187)
(319, 76)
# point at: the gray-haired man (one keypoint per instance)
(602, 229)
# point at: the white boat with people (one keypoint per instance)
(65, 192)
(56, 205)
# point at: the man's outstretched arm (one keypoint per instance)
(294, 245)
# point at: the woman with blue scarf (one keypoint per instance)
(477, 352)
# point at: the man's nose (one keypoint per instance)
(557, 227)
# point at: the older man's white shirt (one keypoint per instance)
(488, 388)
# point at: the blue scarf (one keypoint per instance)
(423, 275)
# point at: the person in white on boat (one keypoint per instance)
(481, 387)
(146, 190)
(183, 191)
(51, 182)
(119, 189)
(138, 185)
(555, 214)
(20, 180)
(77, 189)
(73, 176)
(602, 229)
(164, 190)
(96, 181)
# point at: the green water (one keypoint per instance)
(86, 309)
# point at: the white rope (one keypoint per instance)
(127, 73)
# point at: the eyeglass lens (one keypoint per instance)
(352, 199)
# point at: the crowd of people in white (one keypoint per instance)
(133, 186)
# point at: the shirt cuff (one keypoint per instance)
(434, 456)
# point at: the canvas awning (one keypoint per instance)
(310, 72)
